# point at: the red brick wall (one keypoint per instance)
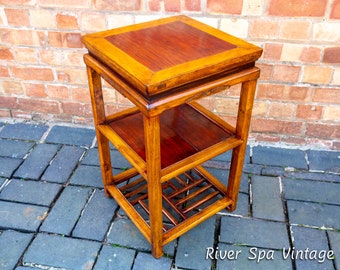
(42, 75)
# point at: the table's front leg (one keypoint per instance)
(99, 117)
(242, 130)
(153, 171)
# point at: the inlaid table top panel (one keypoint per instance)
(162, 54)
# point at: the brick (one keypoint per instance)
(8, 102)
(286, 73)
(65, 4)
(295, 30)
(172, 5)
(192, 5)
(192, 246)
(323, 130)
(13, 88)
(26, 37)
(298, 93)
(49, 251)
(73, 58)
(72, 75)
(331, 113)
(228, 6)
(311, 191)
(314, 214)
(311, 112)
(35, 73)
(67, 21)
(8, 166)
(327, 32)
(266, 71)
(313, 239)
(35, 90)
(26, 55)
(295, 8)
(14, 149)
(317, 75)
(260, 108)
(335, 13)
(80, 94)
(42, 18)
(326, 95)
(310, 54)
(253, 232)
(324, 161)
(22, 131)
(117, 258)
(58, 92)
(63, 164)
(38, 105)
(291, 52)
(30, 192)
(93, 21)
(276, 126)
(17, 17)
(76, 108)
(51, 57)
(253, 7)
(235, 27)
(24, 217)
(145, 261)
(336, 76)
(281, 110)
(14, 245)
(272, 51)
(265, 29)
(332, 55)
(117, 5)
(279, 157)
(4, 72)
(154, 5)
(270, 91)
(65, 40)
(119, 20)
(6, 54)
(18, 2)
(89, 176)
(62, 218)
(96, 217)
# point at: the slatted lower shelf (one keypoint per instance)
(187, 198)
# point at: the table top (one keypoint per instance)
(163, 54)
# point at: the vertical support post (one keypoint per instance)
(99, 117)
(242, 130)
(153, 167)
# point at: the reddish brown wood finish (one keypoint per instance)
(167, 136)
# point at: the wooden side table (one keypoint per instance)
(163, 67)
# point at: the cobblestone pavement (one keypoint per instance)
(54, 215)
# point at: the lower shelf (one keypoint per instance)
(188, 199)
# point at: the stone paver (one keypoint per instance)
(22, 131)
(311, 249)
(63, 164)
(279, 157)
(54, 214)
(13, 245)
(31, 192)
(267, 202)
(35, 164)
(324, 161)
(67, 210)
(71, 136)
(22, 217)
(14, 149)
(96, 217)
(61, 252)
(116, 258)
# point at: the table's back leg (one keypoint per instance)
(99, 117)
(242, 130)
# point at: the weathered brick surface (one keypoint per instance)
(40, 45)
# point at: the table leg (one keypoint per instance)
(153, 169)
(242, 130)
(99, 117)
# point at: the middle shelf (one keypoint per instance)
(189, 135)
